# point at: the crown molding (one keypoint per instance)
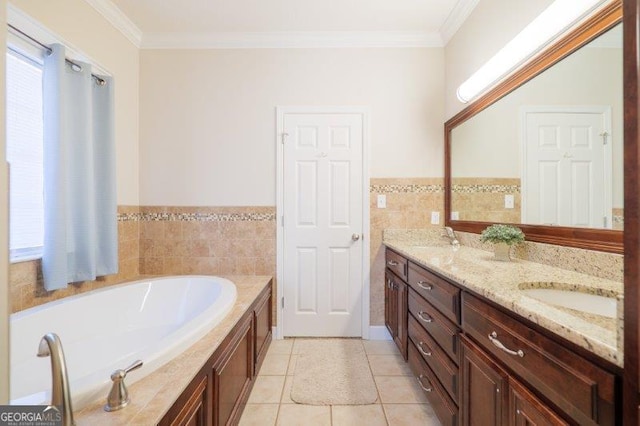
(287, 39)
(456, 18)
(118, 19)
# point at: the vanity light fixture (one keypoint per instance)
(554, 20)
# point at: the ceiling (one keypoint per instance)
(156, 24)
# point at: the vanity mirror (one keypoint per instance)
(544, 148)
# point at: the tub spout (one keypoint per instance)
(50, 345)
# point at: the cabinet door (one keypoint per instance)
(527, 410)
(232, 377)
(484, 388)
(390, 305)
(400, 289)
(191, 408)
(262, 327)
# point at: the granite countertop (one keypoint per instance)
(501, 282)
(152, 396)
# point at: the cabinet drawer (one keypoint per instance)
(444, 407)
(439, 292)
(439, 328)
(445, 369)
(397, 264)
(578, 387)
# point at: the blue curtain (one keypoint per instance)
(80, 217)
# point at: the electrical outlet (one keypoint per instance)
(455, 216)
(382, 201)
(509, 202)
(435, 218)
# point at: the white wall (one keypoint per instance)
(208, 123)
(79, 24)
(491, 25)
(4, 229)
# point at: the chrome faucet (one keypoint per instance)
(50, 345)
(449, 233)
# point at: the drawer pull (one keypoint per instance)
(422, 350)
(424, 285)
(388, 283)
(424, 317)
(392, 263)
(497, 343)
(421, 385)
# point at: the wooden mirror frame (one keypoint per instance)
(595, 239)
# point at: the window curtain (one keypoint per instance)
(80, 216)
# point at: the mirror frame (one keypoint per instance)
(587, 238)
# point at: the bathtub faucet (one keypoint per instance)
(50, 345)
(119, 395)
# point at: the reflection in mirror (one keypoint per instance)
(550, 152)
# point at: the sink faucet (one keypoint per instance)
(50, 345)
(449, 233)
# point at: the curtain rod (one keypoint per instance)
(73, 64)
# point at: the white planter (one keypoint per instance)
(502, 252)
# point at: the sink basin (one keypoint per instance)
(584, 302)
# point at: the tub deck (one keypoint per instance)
(153, 395)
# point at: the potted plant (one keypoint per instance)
(503, 237)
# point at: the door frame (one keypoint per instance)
(364, 111)
(569, 109)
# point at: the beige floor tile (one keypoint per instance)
(399, 390)
(410, 414)
(298, 344)
(274, 365)
(267, 390)
(286, 392)
(259, 415)
(291, 370)
(388, 365)
(281, 347)
(380, 347)
(304, 415)
(349, 415)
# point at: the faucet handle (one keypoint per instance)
(119, 395)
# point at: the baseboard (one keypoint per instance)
(379, 332)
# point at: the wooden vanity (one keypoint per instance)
(480, 363)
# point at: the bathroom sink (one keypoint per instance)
(576, 300)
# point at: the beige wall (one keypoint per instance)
(4, 230)
(79, 24)
(491, 25)
(208, 123)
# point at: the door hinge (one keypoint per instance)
(605, 136)
(284, 137)
(282, 299)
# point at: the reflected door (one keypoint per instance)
(323, 250)
(567, 173)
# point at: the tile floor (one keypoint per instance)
(400, 400)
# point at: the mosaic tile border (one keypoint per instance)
(197, 217)
(485, 189)
(618, 219)
(407, 189)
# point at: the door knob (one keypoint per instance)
(355, 237)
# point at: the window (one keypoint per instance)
(24, 154)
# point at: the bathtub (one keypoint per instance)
(103, 330)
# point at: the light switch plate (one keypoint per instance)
(455, 216)
(435, 218)
(509, 201)
(382, 201)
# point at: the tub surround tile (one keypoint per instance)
(500, 282)
(150, 396)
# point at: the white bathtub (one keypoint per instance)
(103, 330)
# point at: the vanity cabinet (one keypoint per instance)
(219, 392)
(479, 363)
(395, 295)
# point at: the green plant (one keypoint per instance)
(502, 234)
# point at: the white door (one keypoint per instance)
(567, 168)
(323, 226)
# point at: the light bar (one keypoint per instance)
(554, 20)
